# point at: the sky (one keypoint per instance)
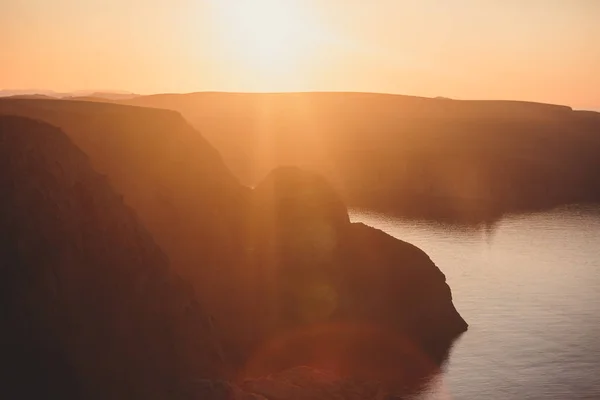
(535, 50)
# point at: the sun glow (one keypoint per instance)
(271, 39)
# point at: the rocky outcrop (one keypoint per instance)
(89, 306)
(389, 292)
(342, 296)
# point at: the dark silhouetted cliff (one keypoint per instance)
(89, 306)
(165, 170)
(418, 157)
(178, 186)
(339, 295)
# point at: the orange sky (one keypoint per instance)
(540, 50)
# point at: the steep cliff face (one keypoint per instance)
(343, 296)
(89, 306)
(165, 170)
(175, 181)
(405, 290)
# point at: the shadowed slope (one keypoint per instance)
(89, 306)
(178, 186)
(165, 170)
(414, 156)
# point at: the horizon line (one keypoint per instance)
(39, 91)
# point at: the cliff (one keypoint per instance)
(179, 187)
(412, 156)
(279, 271)
(89, 306)
(164, 169)
(342, 296)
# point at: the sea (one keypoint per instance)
(529, 287)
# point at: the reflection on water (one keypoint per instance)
(529, 287)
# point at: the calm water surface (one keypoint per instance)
(529, 287)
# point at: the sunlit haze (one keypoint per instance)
(538, 50)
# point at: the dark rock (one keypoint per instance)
(295, 197)
(89, 306)
(178, 186)
(341, 295)
(164, 169)
(389, 292)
